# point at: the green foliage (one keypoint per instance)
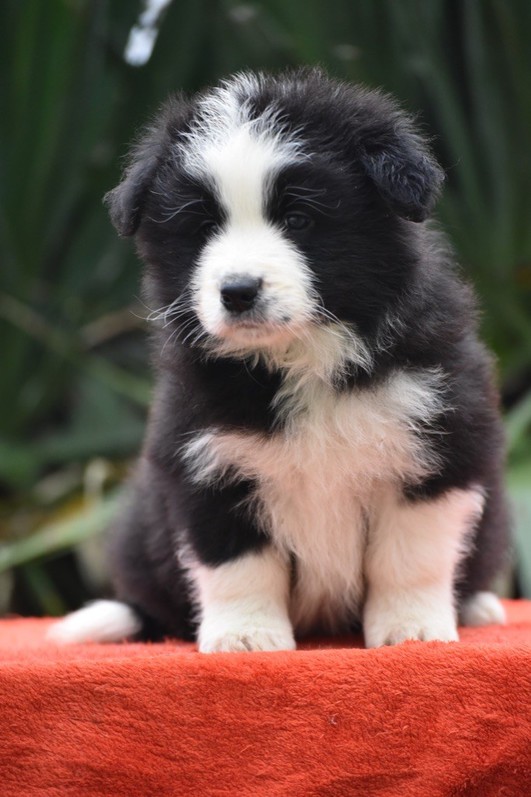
(74, 379)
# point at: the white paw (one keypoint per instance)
(390, 625)
(214, 638)
(482, 608)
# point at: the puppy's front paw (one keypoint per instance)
(223, 637)
(386, 624)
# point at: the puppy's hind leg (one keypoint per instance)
(482, 608)
(488, 556)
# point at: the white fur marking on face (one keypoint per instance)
(244, 604)
(321, 478)
(413, 553)
(250, 246)
(259, 251)
(222, 116)
(101, 621)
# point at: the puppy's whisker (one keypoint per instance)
(190, 336)
(172, 211)
(172, 317)
(323, 311)
(178, 332)
(169, 310)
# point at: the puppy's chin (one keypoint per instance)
(252, 336)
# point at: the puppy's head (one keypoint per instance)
(269, 209)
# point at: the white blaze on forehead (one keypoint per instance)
(242, 171)
(238, 155)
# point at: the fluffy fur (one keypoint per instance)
(324, 447)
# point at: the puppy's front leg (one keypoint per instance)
(412, 556)
(244, 604)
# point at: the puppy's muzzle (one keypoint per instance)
(239, 294)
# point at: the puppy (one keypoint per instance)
(324, 448)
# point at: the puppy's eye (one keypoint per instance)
(297, 221)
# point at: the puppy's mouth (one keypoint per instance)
(241, 315)
(253, 331)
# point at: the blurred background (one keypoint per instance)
(78, 79)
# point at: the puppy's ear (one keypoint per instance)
(398, 161)
(126, 201)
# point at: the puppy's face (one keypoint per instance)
(269, 208)
(251, 284)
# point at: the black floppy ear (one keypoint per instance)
(126, 201)
(406, 175)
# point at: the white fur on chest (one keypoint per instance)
(320, 479)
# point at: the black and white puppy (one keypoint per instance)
(324, 447)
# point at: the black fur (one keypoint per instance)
(369, 259)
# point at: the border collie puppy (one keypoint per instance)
(324, 448)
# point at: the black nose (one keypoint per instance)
(240, 293)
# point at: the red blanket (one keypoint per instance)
(330, 720)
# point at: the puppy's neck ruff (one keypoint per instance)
(322, 352)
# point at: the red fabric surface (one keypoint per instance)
(329, 719)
